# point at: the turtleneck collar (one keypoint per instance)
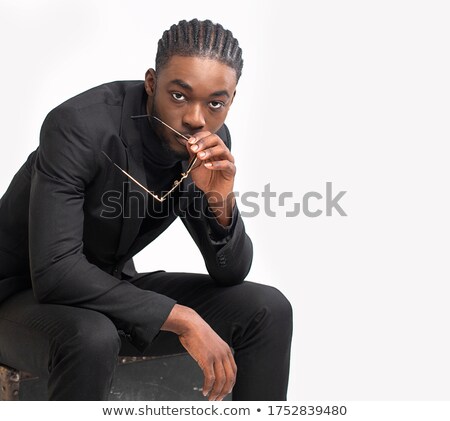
(156, 153)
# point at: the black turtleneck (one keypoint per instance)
(162, 168)
(161, 165)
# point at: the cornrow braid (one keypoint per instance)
(200, 39)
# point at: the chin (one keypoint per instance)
(181, 155)
(177, 150)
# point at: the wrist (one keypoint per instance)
(180, 320)
(221, 207)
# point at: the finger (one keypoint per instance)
(198, 136)
(209, 380)
(233, 363)
(223, 165)
(206, 142)
(190, 151)
(220, 381)
(190, 144)
(230, 373)
(217, 152)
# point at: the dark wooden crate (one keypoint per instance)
(169, 378)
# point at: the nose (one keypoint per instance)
(193, 118)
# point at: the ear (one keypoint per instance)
(232, 98)
(150, 82)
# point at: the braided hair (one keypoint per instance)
(200, 39)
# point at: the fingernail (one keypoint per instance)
(208, 164)
(194, 147)
(202, 154)
(192, 140)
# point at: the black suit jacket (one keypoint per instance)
(53, 231)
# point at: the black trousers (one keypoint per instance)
(78, 348)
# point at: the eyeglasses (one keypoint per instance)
(176, 183)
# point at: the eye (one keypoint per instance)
(216, 104)
(177, 96)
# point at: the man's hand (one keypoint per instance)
(215, 175)
(210, 352)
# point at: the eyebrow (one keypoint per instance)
(185, 85)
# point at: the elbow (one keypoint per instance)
(49, 276)
(41, 291)
(231, 264)
(229, 272)
(44, 283)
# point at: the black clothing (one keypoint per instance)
(70, 223)
(79, 347)
(70, 220)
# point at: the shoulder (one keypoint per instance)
(105, 96)
(111, 93)
(97, 109)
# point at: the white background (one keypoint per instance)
(355, 93)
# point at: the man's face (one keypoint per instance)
(190, 94)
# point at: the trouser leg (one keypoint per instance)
(255, 319)
(77, 348)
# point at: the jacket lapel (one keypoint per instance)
(136, 198)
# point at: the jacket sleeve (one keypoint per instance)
(60, 272)
(227, 251)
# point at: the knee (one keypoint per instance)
(92, 337)
(267, 301)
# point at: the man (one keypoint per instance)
(89, 198)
